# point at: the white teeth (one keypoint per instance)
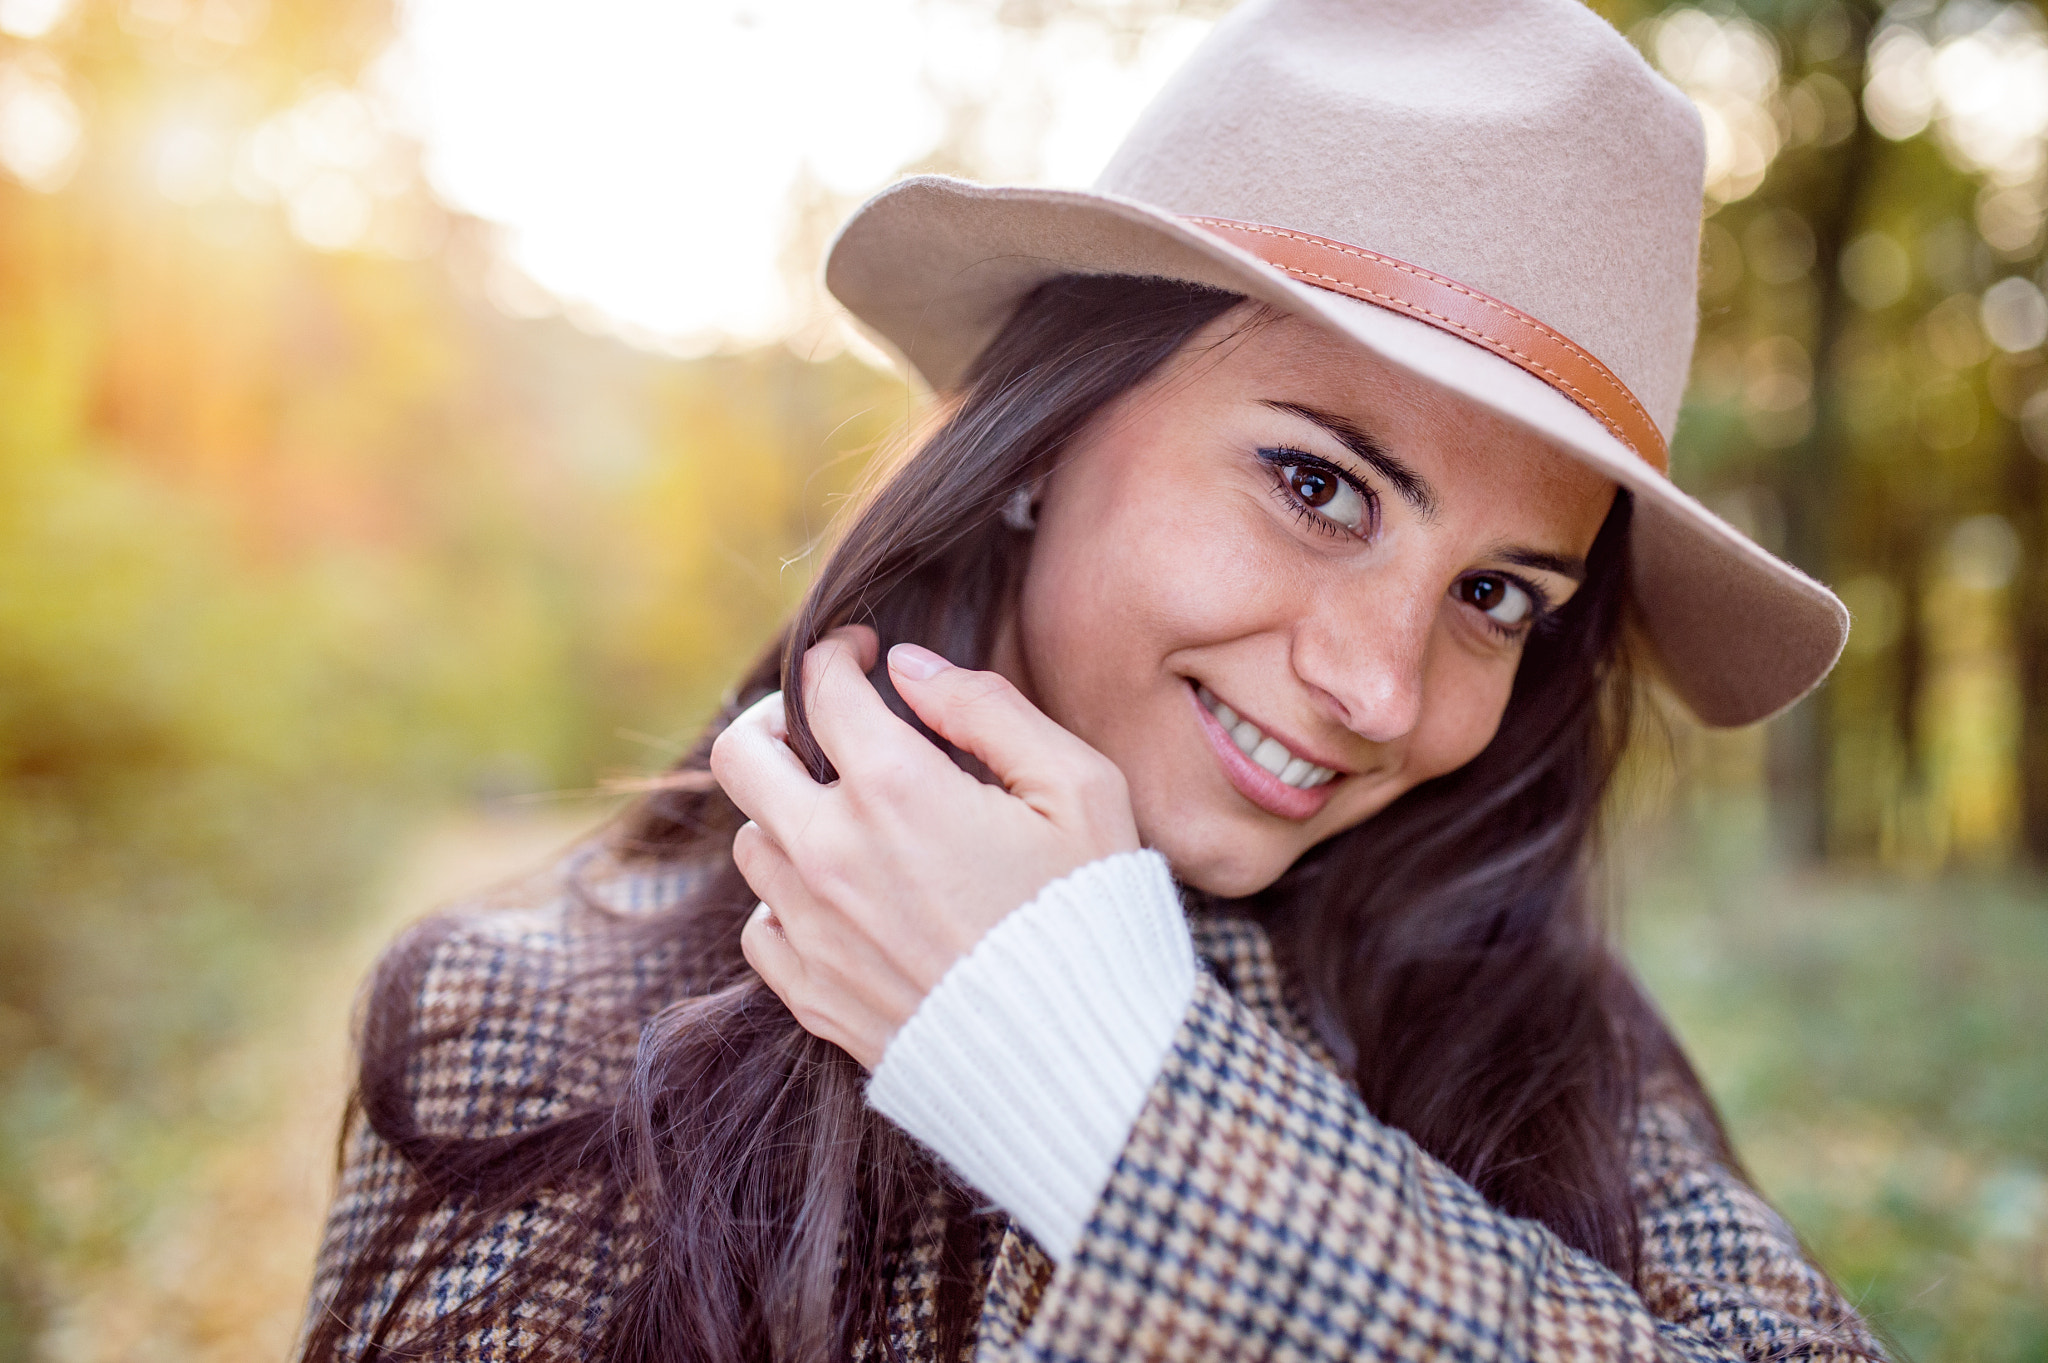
(1225, 716)
(1269, 753)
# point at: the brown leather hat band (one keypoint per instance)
(1463, 311)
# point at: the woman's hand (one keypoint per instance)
(873, 886)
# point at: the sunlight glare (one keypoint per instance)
(31, 18)
(641, 154)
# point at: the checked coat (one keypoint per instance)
(1258, 1210)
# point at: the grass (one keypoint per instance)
(1876, 1046)
(184, 1231)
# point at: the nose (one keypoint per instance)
(1367, 659)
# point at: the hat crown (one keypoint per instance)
(1521, 147)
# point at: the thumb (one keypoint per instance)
(1036, 760)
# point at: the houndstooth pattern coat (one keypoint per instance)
(1258, 1211)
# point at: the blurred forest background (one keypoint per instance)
(339, 565)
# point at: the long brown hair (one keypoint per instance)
(1447, 950)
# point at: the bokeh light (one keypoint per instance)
(1876, 270)
(40, 127)
(1977, 71)
(1730, 67)
(2015, 315)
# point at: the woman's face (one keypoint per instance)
(1282, 583)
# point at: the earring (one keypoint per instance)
(1018, 513)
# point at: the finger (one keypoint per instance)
(838, 992)
(761, 775)
(982, 712)
(787, 918)
(768, 870)
(767, 949)
(867, 645)
(781, 967)
(813, 930)
(855, 728)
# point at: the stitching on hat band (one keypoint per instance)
(1436, 299)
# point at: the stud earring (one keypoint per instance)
(1018, 513)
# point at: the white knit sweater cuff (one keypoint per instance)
(1026, 1067)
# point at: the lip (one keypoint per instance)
(1253, 781)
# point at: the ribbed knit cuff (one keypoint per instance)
(1027, 1065)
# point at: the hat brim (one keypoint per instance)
(933, 267)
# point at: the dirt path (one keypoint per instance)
(219, 1274)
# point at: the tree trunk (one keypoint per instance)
(1802, 742)
(2027, 505)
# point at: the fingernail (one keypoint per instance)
(916, 662)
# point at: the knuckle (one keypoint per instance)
(748, 845)
(1103, 793)
(1102, 779)
(722, 750)
(754, 946)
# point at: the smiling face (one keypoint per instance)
(1281, 583)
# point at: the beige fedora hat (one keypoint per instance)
(1497, 195)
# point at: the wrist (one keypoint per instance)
(1026, 1065)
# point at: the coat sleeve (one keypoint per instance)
(1259, 1211)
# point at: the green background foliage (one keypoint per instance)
(304, 551)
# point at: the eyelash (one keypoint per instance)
(1542, 615)
(1280, 458)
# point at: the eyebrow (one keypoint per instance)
(1573, 568)
(1413, 487)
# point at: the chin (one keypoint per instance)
(1229, 881)
(1211, 856)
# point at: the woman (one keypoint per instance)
(1176, 944)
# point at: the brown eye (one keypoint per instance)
(1329, 496)
(1312, 485)
(1501, 599)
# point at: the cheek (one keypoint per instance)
(1118, 584)
(1466, 701)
